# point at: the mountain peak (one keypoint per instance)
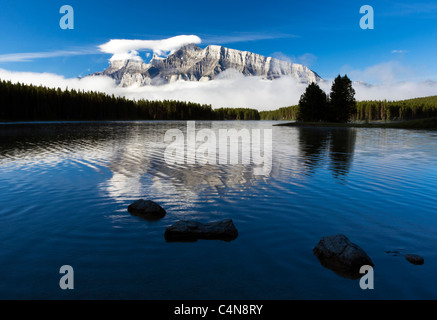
(156, 59)
(192, 63)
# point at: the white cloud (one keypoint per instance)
(306, 59)
(229, 90)
(129, 49)
(395, 91)
(382, 73)
(123, 48)
(30, 56)
(103, 84)
(245, 37)
(284, 57)
(399, 51)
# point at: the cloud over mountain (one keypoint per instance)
(123, 49)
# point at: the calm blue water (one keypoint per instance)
(65, 188)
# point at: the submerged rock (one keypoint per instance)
(415, 259)
(393, 253)
(146, 209)
(340, 255)
(193, 230)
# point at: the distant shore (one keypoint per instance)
(427, 124)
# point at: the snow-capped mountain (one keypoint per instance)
(192, 63)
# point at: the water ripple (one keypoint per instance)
(65, 188)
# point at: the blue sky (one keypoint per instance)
(324, 35)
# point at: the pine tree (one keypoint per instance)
(312, 104)
(342, 104)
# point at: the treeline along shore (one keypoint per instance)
(20, 102)
(375, 110)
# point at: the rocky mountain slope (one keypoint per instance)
(192, 63)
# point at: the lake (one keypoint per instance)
(65, 188)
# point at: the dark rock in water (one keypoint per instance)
(393, 253)
(146, 209)
(415, 259)
(340, 255)
(192, 231)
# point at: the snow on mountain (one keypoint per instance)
(191, 63)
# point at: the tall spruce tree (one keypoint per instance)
(312, 104)
(342, 104)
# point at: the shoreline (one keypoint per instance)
(425, 124)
